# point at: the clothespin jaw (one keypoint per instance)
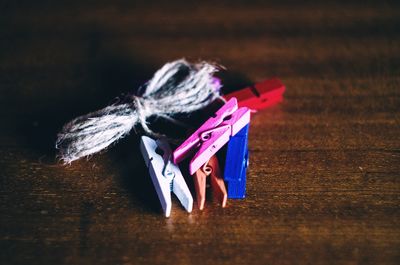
(165, 175)
(259, 96)
(213, 134)
(212, 169)
(237, 158)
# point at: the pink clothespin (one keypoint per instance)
(211, 169)
(213, 135)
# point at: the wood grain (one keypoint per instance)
(323, 183)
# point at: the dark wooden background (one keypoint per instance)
(324, 176)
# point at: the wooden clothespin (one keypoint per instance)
(211, 169)
(213, 134)
(236, 163)
(259, 96)
(166, 175)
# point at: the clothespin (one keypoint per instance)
(166, 176)
(211, 168)
(213, 134)
(259, 96)
(237, 159)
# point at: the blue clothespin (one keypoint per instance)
(166, 175)
(237, 159)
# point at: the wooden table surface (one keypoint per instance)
(324, 176)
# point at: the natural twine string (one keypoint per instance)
(177, 88)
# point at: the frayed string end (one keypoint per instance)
(177, 88)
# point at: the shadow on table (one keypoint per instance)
(112, 76)
(92, 84)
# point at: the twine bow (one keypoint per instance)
(177, 88)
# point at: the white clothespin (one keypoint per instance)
(166, 175)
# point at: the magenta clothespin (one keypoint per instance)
(213, 134)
